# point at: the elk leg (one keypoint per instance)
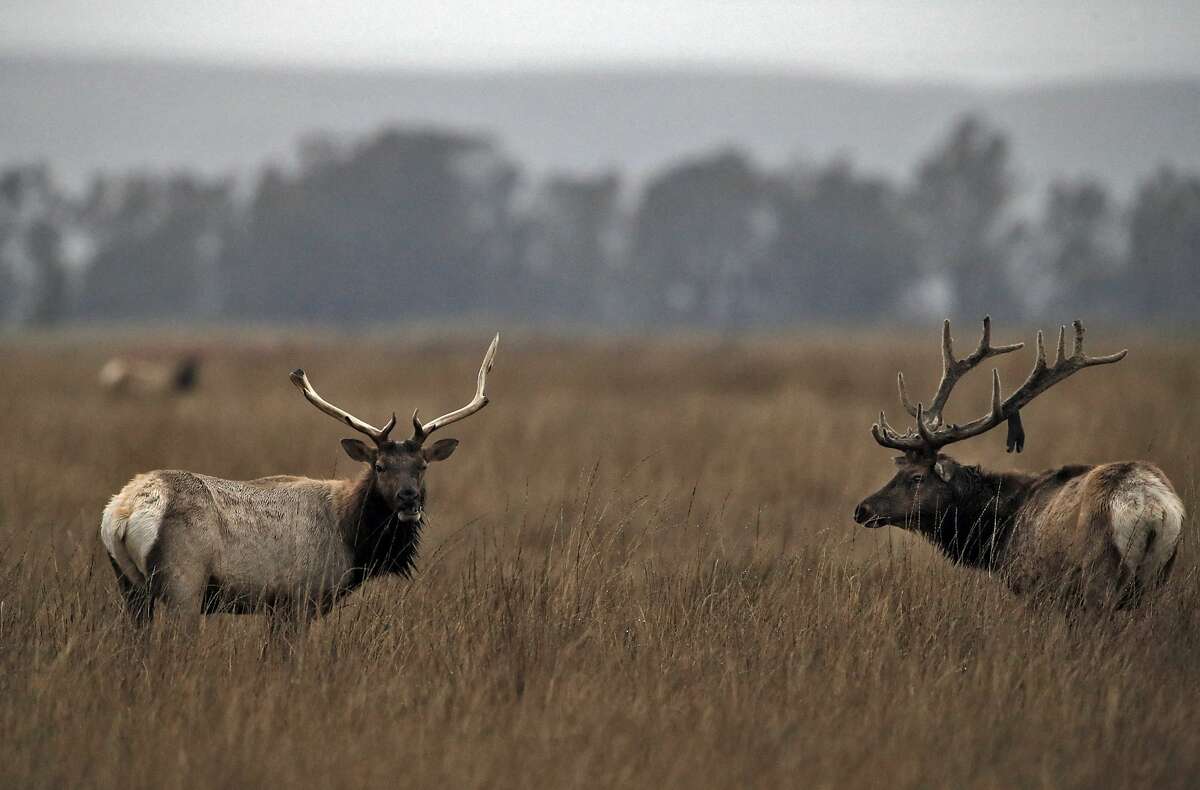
(288, 623)
(184, 594)
(139, 603)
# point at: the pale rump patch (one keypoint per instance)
(130, 525)
(1147, 520)
(113, 374)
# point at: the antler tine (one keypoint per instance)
(1061, 355)
(420, 431)
(905, 401)
(950, 375)
(883, 424)
(947, 346)
(884, 439)
(1039, 360)
(986, 341)
(1107, 359)
(922, 429)
(1077, 346)
(887, 436)
(1084, 359)
(378, 435)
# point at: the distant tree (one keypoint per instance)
(318, 150)
(957, 206)
(8, 293)
(406, 225)
(701, 230)
(51, 296)
(11, 247)
(842, 250)
(156, 244)
(1072, 257)
(31, 213)
(1164, 256)
(569, 247)
(427, 224)
(488, 182)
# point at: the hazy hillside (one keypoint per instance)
(83, 115)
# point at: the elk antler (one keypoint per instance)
(378, 435)
(931, 433)
(422, 431)
(953, 370)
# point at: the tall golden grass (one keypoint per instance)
(640, 571)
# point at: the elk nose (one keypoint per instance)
(407, 494)
(861, 513)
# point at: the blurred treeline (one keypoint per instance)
(428, 224)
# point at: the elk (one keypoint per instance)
(120, 376)
(289, 546)
(1095, 536)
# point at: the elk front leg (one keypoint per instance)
(287, 623)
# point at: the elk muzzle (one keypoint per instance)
(866, 515)
(410, 505)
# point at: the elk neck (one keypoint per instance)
(380, 542)
(976, 528)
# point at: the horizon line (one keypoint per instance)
(542, 67)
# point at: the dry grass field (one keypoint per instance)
(640, 571)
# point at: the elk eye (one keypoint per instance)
(378, 468)
(917, 479)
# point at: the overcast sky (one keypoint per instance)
(941, 39)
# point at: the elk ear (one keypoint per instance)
(441, 450)
(359, 450)
(945, 469)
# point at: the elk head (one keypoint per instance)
(398, 468)
(928, 484)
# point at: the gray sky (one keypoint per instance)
(942, 39)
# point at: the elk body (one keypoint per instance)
(1094, 535)
(121, 376)
(286, 545)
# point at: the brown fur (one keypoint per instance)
(281, 543)
(1052, 533)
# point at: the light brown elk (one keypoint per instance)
(1092, 535)
(121, 376)
(289, 545)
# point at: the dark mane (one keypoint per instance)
(976, 532)
(382, 544)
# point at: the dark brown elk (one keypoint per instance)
(289, 545)
(1094, 535)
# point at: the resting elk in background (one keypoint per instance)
(1098, 535)
(291, 546)
(121, 376)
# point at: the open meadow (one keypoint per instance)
(640, 571)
